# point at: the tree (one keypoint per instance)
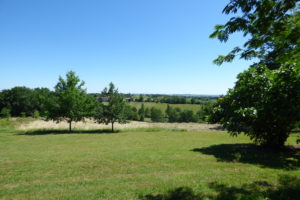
(265, 102)
(24, 100)
(142, 112)
(264, 105)
(18, 100)
(156, 115)
(40, 97)
(141, 98)
(272, 27)
(115, 109)
(70, 102)
(188, 116)
(131, 113)
(173, 114)
(147, 112)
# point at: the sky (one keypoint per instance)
(142, 46)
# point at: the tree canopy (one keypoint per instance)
(115, 109)
(265, 102)
(70, 101)
(272, 26)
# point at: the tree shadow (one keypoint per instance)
(62, 131)
(217, 128)
(288, 159)
(181, 193)
(288, 188)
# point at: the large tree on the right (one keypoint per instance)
(265, 102)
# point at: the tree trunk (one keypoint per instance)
(112, 126)
(70, 126)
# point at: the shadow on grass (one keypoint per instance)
(181, 193)
(62, 131)
(217, 128)
(288, 159)
(288, 188)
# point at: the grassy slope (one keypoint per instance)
(122, 165)
(163, 106)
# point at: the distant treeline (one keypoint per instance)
(171, 114)
(26, 102)
(170, 99)
(23, 101)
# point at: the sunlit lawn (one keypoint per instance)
(130, 164)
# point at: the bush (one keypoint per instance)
(188, 116)
(36, 114)
(23, 114)
(157, 115)
(5, 113)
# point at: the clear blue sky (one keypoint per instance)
(143, 46)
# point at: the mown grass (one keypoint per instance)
(163, 106)
(133, 164)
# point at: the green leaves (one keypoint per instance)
(273, 27)
(264, 104)
(70, 102)
(115, 110)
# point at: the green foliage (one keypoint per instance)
(142, 113)
(147, 112)
(178, 115)
(188, 116)
(18, 100)
(23, 114)
(40, 97)
(70, 102)
(157, 115)
(173, 114)
(264, 104)
(5, 113)
(36, 114)
(173, 100)
(131, 113)
(272, 27)
(205, 111)
(115, 110)
(24, 100)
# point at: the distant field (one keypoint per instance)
(134, 163)
(163, 106)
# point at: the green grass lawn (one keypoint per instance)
(131, 164)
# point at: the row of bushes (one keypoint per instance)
(171, 114)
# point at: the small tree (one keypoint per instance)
(156, 115)
(188, 116)
(70, 102)
(142, 112)
(36, 114)
(173, 114)
(115, 109)
(147, 112)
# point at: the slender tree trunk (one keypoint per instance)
(112, 126)
(70, 126)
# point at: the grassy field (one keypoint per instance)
(137, 164)
(163, 106)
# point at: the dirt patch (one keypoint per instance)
(89, 125)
